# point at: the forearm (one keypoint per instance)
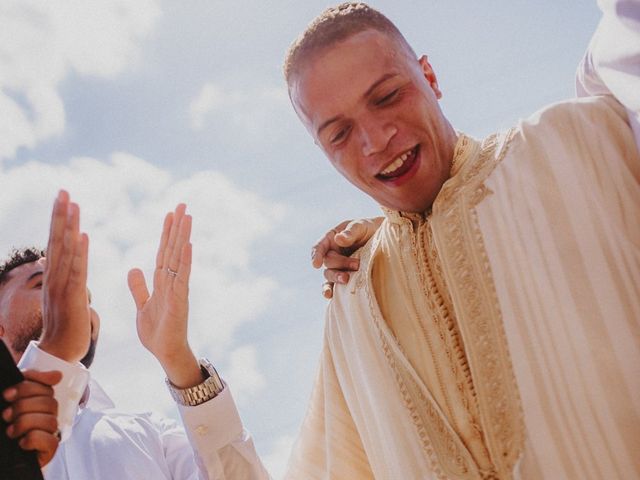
(182, 370)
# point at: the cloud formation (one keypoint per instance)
(254, 110)
(41, 43)
(123, 201)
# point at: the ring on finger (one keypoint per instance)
(172, 273)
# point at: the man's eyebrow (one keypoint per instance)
(34, 275)
(381, 80)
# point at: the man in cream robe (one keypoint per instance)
(495, 335)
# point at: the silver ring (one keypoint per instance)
(172, 273)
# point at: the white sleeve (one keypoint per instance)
(223, 449)
(611, 64)
(68, 392)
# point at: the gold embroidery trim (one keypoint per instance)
(465, 263)
(445, 453)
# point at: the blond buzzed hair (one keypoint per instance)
(334, 25)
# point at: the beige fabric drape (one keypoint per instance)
(562, 234)
(533, 259)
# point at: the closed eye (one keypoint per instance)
(387, 98)
(35, 280)
(340, 135)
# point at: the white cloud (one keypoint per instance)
(243, 373)
(255, 111)
(123, 202)
(209, 99)
(42, 42)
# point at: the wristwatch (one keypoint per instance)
(198, 394)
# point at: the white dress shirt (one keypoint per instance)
(102, 443)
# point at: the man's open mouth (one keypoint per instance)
(401, 165)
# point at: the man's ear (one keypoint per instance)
(95, 324)
(429, 74)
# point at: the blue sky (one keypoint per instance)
(134, 105)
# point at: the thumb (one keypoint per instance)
(138, 287)
(354, 235)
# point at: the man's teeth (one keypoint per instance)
(397, 163)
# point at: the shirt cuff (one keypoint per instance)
(68, 391)
(212, 425)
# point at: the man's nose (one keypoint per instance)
(375, 136)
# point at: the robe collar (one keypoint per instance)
(466, 148)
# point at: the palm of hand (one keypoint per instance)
(162, 316)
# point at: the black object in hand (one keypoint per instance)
(15, 463)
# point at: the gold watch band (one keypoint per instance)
(198, 394)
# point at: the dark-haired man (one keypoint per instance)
(47, 321)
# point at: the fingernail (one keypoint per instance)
(10, 394)
(6, 414)
(346, 233)
(10, 431)
(313, 253)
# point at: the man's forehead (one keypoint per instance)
(343, 73)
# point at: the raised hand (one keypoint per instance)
(334, 248)
(66, 319)
(31, 414)
(162, 316)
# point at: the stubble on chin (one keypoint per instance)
(31, 329)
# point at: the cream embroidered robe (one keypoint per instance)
(497, 336)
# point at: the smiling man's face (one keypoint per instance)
(373, 108)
